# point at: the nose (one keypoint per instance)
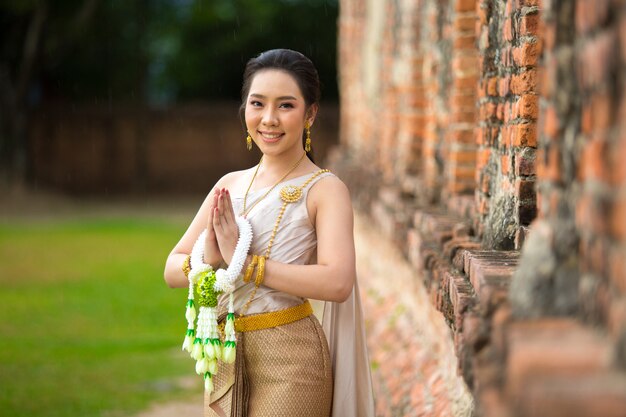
(269, 117)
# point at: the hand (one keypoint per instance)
(224, 224)
(212, 254)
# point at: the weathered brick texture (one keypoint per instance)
(487, 139)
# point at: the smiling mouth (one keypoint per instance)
(271, 137)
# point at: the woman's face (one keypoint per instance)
(275, 113)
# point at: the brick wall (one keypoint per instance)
(486, 139)
(88, 149)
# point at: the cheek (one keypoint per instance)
(249, 116)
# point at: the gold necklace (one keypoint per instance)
(289, 194)
(247, 210)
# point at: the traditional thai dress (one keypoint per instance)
(301, 368)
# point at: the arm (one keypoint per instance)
(333, 276)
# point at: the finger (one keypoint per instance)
(222, 211)
(229, 212)
(212, 207)
(217, 224)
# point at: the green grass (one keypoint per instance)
(87, 325)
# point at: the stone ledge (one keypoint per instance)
(553, 347)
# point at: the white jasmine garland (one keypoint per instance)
(225, 281)
(202, 340)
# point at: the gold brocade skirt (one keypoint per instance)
(289, 373)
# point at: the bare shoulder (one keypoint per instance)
(329, 188)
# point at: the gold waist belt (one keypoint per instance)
(273, 318)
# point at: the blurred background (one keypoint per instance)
(116, 118)
(109, 97)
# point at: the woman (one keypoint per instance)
(302, 247)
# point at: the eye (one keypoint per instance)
(255, 103)
(286, 106)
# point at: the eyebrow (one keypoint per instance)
(279, 98)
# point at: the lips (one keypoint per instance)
(270, 136)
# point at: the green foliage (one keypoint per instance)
(88, 326)
(216, 41)
(166, 50)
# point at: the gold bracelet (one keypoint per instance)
(250, 269)
(187, 265)
(260, 273)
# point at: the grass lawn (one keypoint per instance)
(87, 325)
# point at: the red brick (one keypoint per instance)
(464, 82)
(549, 163)
(618, 219)
(547, 84)
(525, 82)
(507, 29)
(505, 164)
(597, 59)
(590, 14)
(618, 156)
(528, 106)
(465, 5)
(591, 215)
(488, 110)
(463, 157)
(492, 86)
(549, 35)
(463, 64)
(508, 8)
(463, 101)
(525, 135)
(464, 42)
(551, 123)
(602, 110)
(524, 189)
(527, 54)
(524, 163)
(529, 24)
(464, 23)
(483, 13)
(462, 172)
(594, 158)
(460, 136)
(553, 347)
(483, 157)
(505, 136)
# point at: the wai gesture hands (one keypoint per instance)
(222, 230)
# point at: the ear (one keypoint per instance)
(311, 113)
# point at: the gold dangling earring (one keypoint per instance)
(249, 142)
(307, 143)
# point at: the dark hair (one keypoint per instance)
(292, 62)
